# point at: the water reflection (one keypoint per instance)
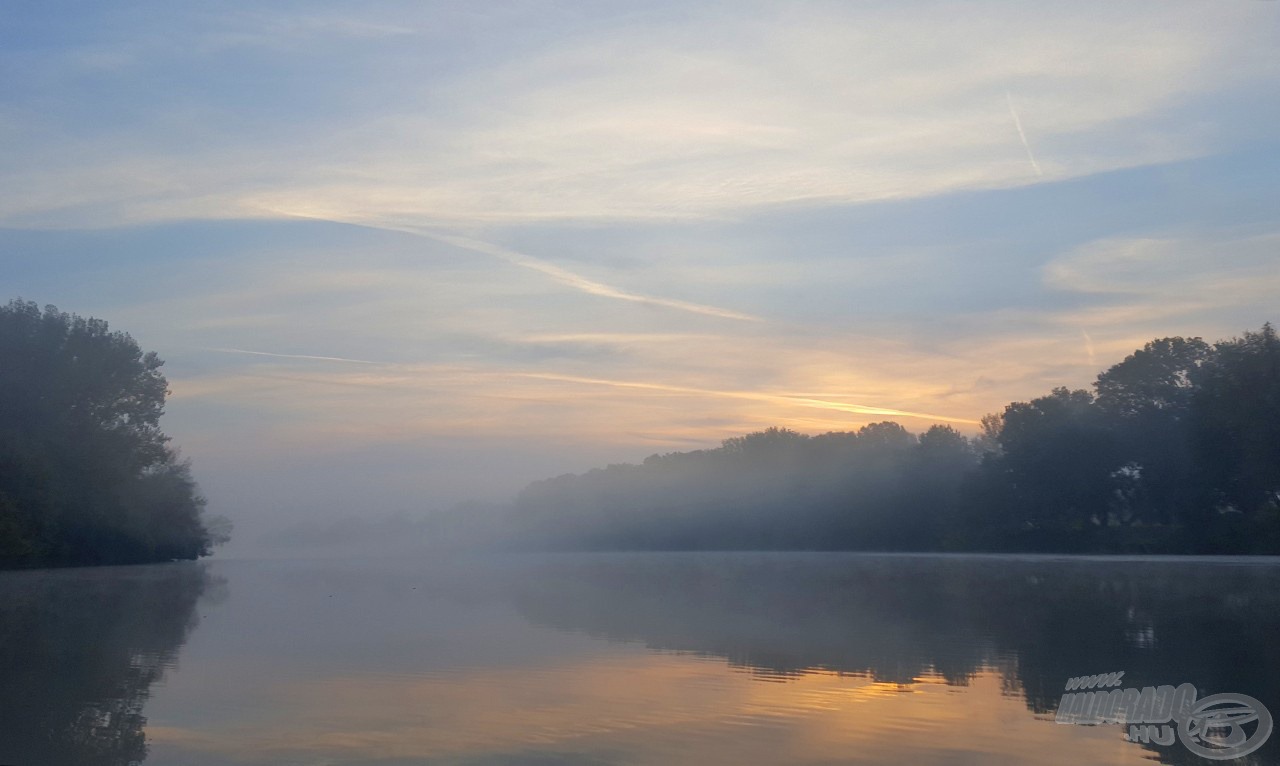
(79, 652)
(1034, 621)
(636, 659)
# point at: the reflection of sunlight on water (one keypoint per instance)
(649, 707)
(702, 659)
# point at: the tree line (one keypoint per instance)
(86, 474)
(1176, 449)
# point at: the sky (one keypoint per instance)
(399, 255)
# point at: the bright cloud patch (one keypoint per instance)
(661, 114)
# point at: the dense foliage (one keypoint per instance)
(86, 475)
(1177, 449)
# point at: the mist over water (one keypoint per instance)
(699, 658)
(709, 383)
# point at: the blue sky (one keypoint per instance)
(402, 254)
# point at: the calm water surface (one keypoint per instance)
(618, 659)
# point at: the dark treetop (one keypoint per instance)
(86, 475)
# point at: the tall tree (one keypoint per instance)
(1238, 423)
(1060, 458)
(88, 474)
(931, 486)
(1147, 399)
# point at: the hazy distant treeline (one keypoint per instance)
(1176, 449)
(86, 475)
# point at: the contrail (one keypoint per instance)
(564, 276)
(784, 399)
(291, 356)
(576, 281)
(1088, 347)
(1022, 134)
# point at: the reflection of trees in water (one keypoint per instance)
(79, 651)
(779, 614)
(1036, 621)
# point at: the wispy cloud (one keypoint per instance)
(714, 116)
(1172, 269)
(578, 282)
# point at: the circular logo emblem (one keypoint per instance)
(1223, 726)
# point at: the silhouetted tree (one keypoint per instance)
(1147, 400)
(931, 488)
(1158, 378)
(86, 475)
(1060, 458)
(1179, 451)
(1237, 437)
